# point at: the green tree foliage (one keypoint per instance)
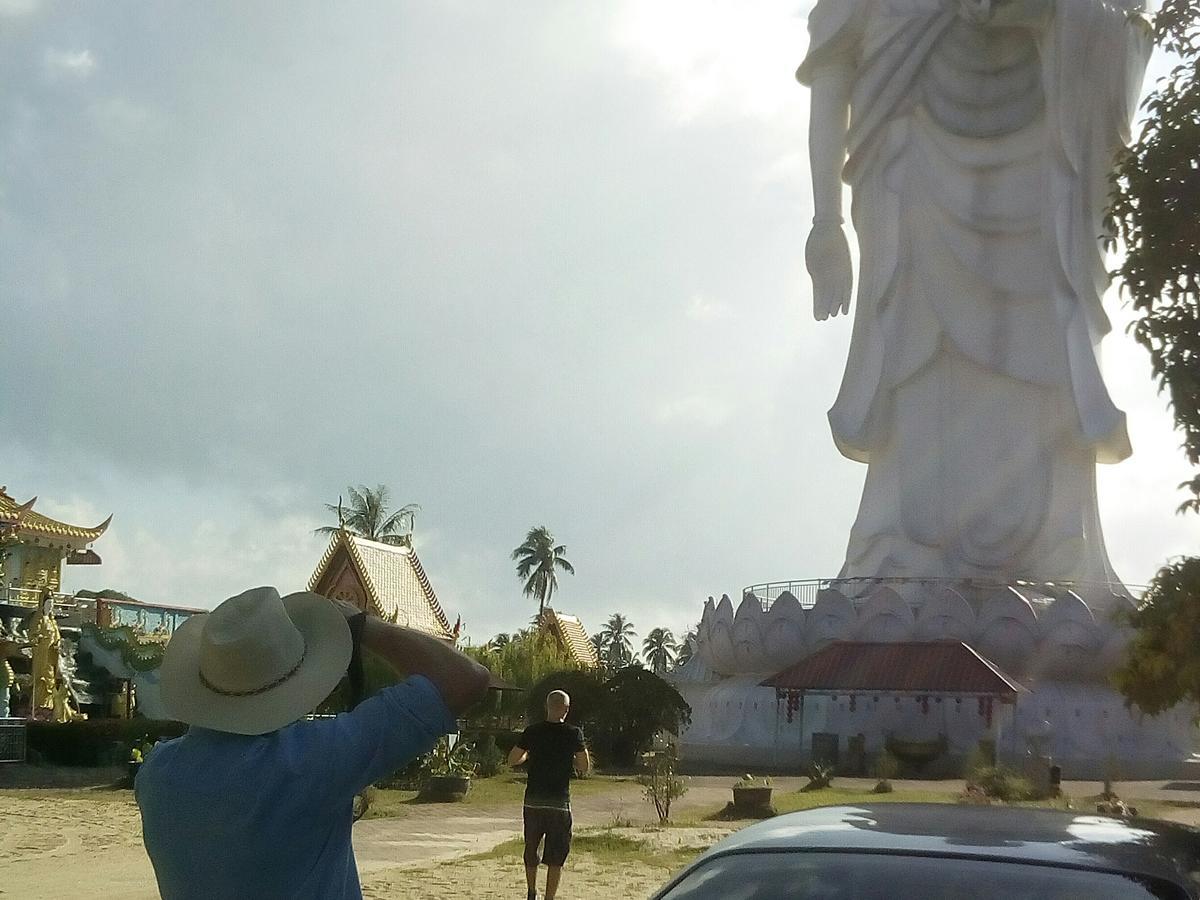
(499, 642)
(1163, 665)
(538, 560)
(659, 649)
(368, 515)
(527, 658)
(637, 706)
(620, 715)
(585, 688)
(1156, 216)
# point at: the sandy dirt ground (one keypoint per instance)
(585, 875)
(91, 847)
(66, 847)
(87, 843)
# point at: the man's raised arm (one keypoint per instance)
(459, 679)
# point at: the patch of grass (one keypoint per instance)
(504, 850)
(797, 800)
(607, 847)
(1001, 783)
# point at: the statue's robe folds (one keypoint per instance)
(978, 158)
(45, 637)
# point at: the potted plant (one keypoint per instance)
(750, 793)
(134, 764)
(450, 771)
(137, 755)
(820, 776)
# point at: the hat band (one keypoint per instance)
(258, 690)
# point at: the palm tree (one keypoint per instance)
(499, 642)
(616, 638)
(368, 516)
(659, 649)
(537, 560)
(601, 651)
(687, 649)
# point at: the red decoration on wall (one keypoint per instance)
(793, 704)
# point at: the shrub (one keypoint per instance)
(661, 783)
(886, 766)
(526, 662)
(637, 705)
(819, 777)
(96, 742)
(982, 756)
(1000, 783)
(487, 758)
(450, 761)
(409, 778)
(585, 688)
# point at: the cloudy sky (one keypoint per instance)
(526, 263)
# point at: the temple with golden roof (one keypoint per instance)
(33, 548)
(571, 636)
(385, 580)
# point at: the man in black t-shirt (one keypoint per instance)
(553, 750)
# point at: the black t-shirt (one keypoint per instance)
(552, 747)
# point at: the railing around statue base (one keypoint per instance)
(807, 591)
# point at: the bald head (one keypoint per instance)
(558, 703)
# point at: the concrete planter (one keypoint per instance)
(446, 788)
(752, 798)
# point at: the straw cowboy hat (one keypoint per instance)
(255, 663)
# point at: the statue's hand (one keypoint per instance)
(827, 255)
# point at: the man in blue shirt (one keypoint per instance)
(253, 801)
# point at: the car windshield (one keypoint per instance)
(843, 876)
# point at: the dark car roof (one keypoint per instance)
(1138, 846)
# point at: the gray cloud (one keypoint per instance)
(527, 264)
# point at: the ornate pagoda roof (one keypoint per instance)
(573, 637)
(393, 579)
(33, 527)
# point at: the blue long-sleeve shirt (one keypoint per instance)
(269, 816)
